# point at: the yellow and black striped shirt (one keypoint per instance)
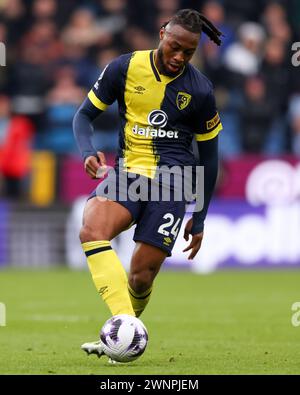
(159, 114)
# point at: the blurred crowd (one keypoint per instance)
(55, 51)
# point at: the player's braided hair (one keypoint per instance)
(195, 22)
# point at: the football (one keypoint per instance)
(124, 338)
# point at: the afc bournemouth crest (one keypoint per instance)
(183, 100)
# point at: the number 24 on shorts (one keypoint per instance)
(175, 228)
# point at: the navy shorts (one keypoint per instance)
(157, 221)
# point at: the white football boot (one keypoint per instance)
(93, 348)
(97, 349)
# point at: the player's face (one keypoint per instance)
(176, 48)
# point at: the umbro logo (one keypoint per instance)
(103, 290)
(139, 89)
(167, 241)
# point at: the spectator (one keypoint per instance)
(215, 12)
(111, 15)
(62, 102)
(49, 10)
(256, 115)
(44, 9)
(275, 22)
(137, 39)
(167, 6)
(14, 16)
(229, 103)
(84, 30)
(211, 56)
(43, 36)
(243, 57)
(16, 134)
(28, 84)
(275, 72)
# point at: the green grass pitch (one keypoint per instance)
(222, 323)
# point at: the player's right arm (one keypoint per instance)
(104, 92)
(83, 131)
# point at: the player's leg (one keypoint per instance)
(145, 264)
(155, 235)
(102, 221)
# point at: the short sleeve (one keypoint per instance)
(106, 89)
(208, 123)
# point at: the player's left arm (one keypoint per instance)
(207, 142)
(208, 153)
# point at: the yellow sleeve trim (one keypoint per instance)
(209, 135)
(97, 102)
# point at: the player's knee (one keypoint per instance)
(142, 280)
(88, 233)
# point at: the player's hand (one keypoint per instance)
(93, 165)
(196, 241)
